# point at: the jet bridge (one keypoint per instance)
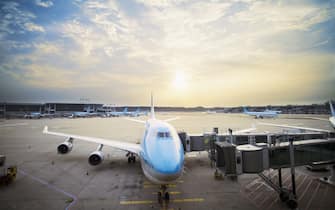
(233, 155)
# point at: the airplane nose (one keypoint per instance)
(167, 159)
(169, 166)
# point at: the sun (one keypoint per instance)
(180, 81)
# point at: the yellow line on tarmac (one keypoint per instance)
(154, 185)
(188, 200)
(171, 193)
(136, 202)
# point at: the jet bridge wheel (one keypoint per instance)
(292, 203)
(284, 195)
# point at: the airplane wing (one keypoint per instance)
(126, 146)
(296, 127)
(171, 119)
(135, 120)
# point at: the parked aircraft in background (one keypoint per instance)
(136, 113)
(331, 121)
(267, 113)
(210, 112)
(33, 115)
(125, 112)
(83, 114)
(116, 113)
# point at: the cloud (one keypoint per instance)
(16, 21)
(231, 49)
(45, 4)
(33, 27)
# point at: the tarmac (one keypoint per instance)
(47, 180)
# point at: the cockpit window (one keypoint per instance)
(163, 134)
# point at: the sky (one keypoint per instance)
(187, 52)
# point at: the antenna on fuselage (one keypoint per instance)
(152, 107)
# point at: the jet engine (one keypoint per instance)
(66, 146)
(96, 158)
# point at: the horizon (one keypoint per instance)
(189, 53)
(161, 106)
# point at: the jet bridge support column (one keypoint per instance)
(292, 166)
(292, 202)
(279, 178)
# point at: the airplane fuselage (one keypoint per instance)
(332, 121)
(262, 114)
(162, 155)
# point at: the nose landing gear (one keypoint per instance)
(163, 195)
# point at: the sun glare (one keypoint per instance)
(180, 82)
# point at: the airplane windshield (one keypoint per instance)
(163, 134)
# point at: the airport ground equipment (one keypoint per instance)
(7, 173)
(233, 155)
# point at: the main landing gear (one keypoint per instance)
(163, 195)
(131, 157)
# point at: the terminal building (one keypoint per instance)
(18, 110)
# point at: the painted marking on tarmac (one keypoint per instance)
(136, 202)
(188, 200)
(43, 182)
(154, 185)
(14, 124)
(171, 193)
(141, 202)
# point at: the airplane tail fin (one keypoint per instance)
(245, 109)
(331, 108)
(125, 109)
(152, 107)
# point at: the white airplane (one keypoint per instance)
(116, 113)
(267, 113)
(83, 114)
(331, 121)
(33, 115)
(161, 151)
(137, 113)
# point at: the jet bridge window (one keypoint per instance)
(163, 134)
